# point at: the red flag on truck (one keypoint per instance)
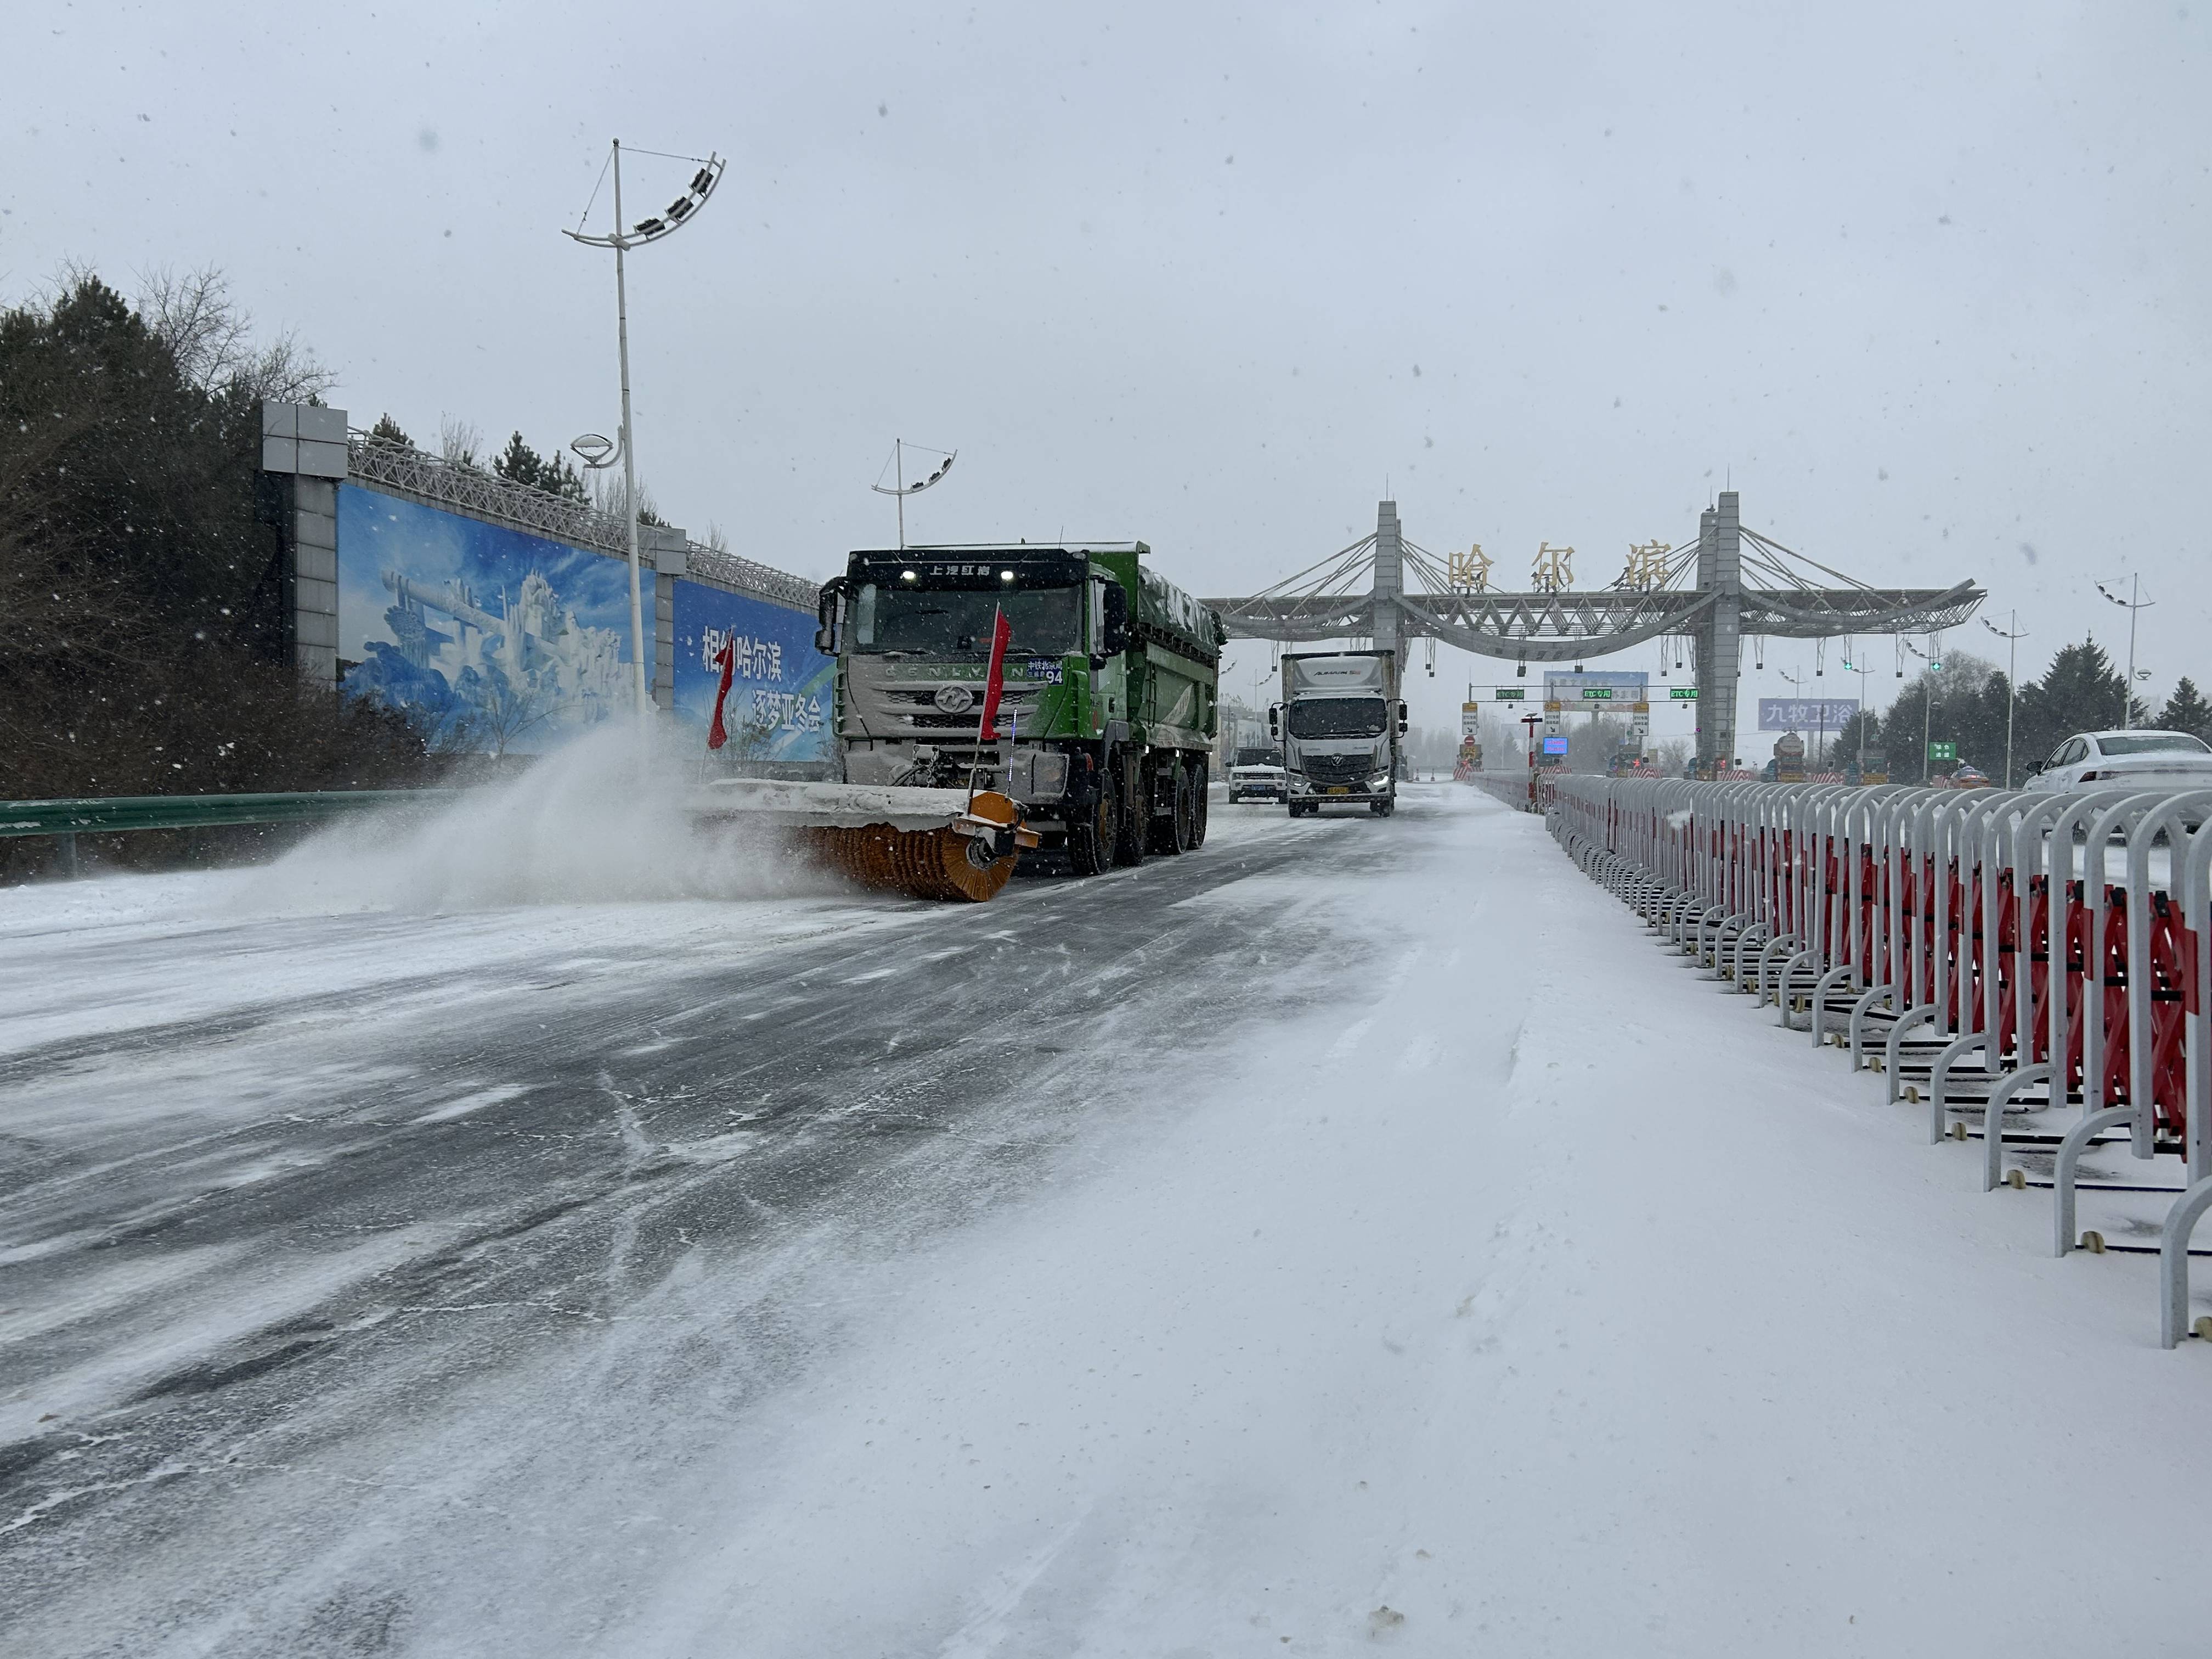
(717, 733)
(1002, 634)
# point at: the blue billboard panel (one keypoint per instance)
(1555, 745)
(1805, 713)
(495, 640)
(780, 689)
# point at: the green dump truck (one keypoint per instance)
(1111, 685)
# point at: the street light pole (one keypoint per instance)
(629, 458)
(2128, 702)
(622, 239)
(1850, 667)
(2133, 603)
(2012, 679)
(902, 489)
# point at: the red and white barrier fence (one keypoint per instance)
(2028, 953)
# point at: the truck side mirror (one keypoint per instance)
(1401, 719)
(1115, 635)
(830, 614)
(1275, 722)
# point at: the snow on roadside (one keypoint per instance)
(584, 862)
(1544, 1301)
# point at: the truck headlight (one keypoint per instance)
(1379, 782)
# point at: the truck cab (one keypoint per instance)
(1339, 721)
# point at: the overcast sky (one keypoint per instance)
(1927, 283)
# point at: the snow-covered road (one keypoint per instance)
(1355, 1235)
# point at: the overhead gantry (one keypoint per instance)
(1695, 591)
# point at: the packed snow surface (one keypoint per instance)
(1356, 1236)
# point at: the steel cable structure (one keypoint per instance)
(1702, 590)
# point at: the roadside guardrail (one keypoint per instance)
(66, 819)
(2025, 958)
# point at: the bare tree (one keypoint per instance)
(460, 441)
(211, 337)
(607, 495)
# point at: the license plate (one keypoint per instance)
(1339, 789)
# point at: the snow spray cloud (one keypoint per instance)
(595, 822)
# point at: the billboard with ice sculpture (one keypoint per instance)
(495, 639)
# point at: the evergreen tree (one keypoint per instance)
(518, 463)
(558, 478)
(2081, 692)
(2186, 710)
(1962, 703)
(143, 621)
(387, 431)
(1843, 752)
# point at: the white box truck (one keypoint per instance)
(1338, 722)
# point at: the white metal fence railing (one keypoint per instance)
(2026, 965)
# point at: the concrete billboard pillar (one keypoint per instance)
(303, 453)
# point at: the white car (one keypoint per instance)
(2124, 760)
(1260, 782)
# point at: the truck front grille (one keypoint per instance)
(1338, 768)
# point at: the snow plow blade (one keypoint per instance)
(928, 843)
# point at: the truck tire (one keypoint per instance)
(1162, 774)
(1091, 839)
(1184, 825)
(1198, 782)
(1133, 810)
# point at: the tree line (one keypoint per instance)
(144, 627)
(1965, 702)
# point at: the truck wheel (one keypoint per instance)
(1185, 822)
(1133, 809)
(1091, 840)
(1160, 834)
(1381, 809)
(1198, 794)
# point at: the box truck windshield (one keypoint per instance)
(1338, 717)
(952, 622)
